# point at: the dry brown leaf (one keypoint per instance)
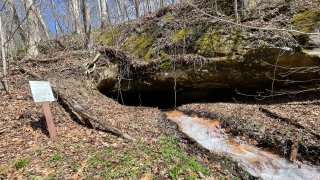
(75, 177)
(146, 176)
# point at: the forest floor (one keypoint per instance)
(159, 150)
(81, 152)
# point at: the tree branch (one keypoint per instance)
(246, 26)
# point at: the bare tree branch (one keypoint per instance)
(246, 26)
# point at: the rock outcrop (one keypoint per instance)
(185, 45)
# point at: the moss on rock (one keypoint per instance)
(306, 20)
(140, 46)
(165, 65)
(111, 37)
(208, 42)
(164, 56)
(169, 17)
(181, 34)
(216, 42)
(22, 50)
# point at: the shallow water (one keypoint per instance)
(257, 162)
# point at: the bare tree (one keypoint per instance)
(119, 10)
(161, 4)
(53, 7)
(126, 11)
(236, 14)
(147, 5)
(3, 55)
(33, 26)
(104, 14)
(41, 22)
(215, 6)
(76, 16)
(16, 21)
(136, 4)
(87, 24)
(243, 8)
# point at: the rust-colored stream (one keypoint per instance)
(257, 162)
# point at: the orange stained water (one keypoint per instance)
(257, 162)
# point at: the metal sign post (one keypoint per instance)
(42, 93)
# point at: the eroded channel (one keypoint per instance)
(256, 161)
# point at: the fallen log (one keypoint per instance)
(91, 118)
(79, 114)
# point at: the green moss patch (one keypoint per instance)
(181, 34)
(169, 17)
(164, 56)
(305, 21)
(111, 37)
(140, 46)
(22, 50)
(165, 65)
(215, 42)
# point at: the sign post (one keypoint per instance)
(42, 93)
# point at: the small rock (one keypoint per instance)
(105, 144)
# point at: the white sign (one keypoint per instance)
(41, 91)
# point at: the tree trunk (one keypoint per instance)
(161, 4)
(16, 21)
(3, 55)
(108, 13)
(33, 26)
(243, 9)
(87, 24)
(148, 6)
(216, 6)
(119, 9)
(126, 12)
(235, 6)
(104, 13)
(69, 20)
(41, 22)
(55, 18)
(137, 8)
(76, 16)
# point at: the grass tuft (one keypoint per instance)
(22, 162)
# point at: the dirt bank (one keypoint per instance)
(289, 128)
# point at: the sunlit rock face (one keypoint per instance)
(176, 47)
(254, 69)
(259, 163)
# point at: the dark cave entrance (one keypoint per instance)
(166, 99)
